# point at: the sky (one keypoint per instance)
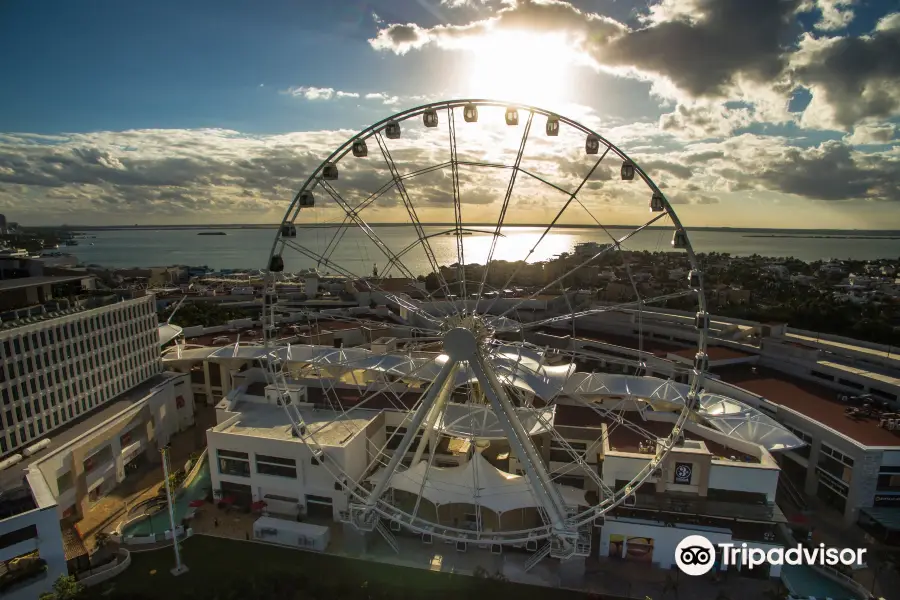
(762, 113)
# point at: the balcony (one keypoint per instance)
(684, 508)
(14, 577)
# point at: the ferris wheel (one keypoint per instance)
(497, 408)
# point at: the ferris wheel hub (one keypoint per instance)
(460, 343)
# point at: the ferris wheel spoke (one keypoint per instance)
(597, 255)
(596, 311)
(538, 478)
(414, 217)
(618, 420)
(505, 205)
(353, 216)
(415, 422)
(349, 274)
(365, 227)
(336, 238)
(580, 459)
(572, 196)
(457, 205)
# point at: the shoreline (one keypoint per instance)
(748, 231)
(823, 237)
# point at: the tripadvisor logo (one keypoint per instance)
(696, 555)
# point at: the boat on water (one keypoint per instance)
(212, 233)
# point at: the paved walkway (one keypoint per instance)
(610, 577)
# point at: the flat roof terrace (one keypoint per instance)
(624, 439)
(328, 428)
(809, 399)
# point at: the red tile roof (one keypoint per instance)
(815, 401)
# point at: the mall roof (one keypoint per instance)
(19, 283)
(814, 401)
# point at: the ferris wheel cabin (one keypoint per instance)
(512, 116)
(430, 118)
(359, 148)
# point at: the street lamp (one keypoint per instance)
(179, 567)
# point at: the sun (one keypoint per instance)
(521, 66)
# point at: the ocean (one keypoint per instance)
(249, 248)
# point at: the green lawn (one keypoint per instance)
(219, 567)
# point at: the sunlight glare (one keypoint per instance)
(522, 66)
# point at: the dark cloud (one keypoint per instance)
(703, 49)
(832, 171)
(678, 170)
(852, 78)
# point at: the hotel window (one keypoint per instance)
(888, 480)
(234, 463)
(19, 535)
(803, 450)
(830, 466)
(275, 465)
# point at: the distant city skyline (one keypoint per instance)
(770, 114)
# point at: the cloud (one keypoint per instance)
(831, 171)
(704, 53)
(851, 79)
(703, 47)
(541, 16)
(834, 14)
(317, 93)
(704, 121)
(872, 134)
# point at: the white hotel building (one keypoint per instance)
(83, 395)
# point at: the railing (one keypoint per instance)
(793, 493)
(538, 556)
(387, 535)
(105, 572)
(851, 584)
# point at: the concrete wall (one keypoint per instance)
(311, 479)
(150, 423)
(48, 543)
(665, 539)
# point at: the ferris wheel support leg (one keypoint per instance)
(409, 436)
(436, 411)
(544, 490)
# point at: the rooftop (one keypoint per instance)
(715, 353)
(247, 334)
(328, 428)
(623, 439)
(651, 345)
(883, 375)
(836, 347)
(27, 282)
(812, 400)
(13, 476)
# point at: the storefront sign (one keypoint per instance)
(887, 500)
(683, 473)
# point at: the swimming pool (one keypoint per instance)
(158, 521)
(803, 581)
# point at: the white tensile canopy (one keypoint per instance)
(523, 368)
(477, 482)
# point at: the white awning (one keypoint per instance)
(476, 482)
